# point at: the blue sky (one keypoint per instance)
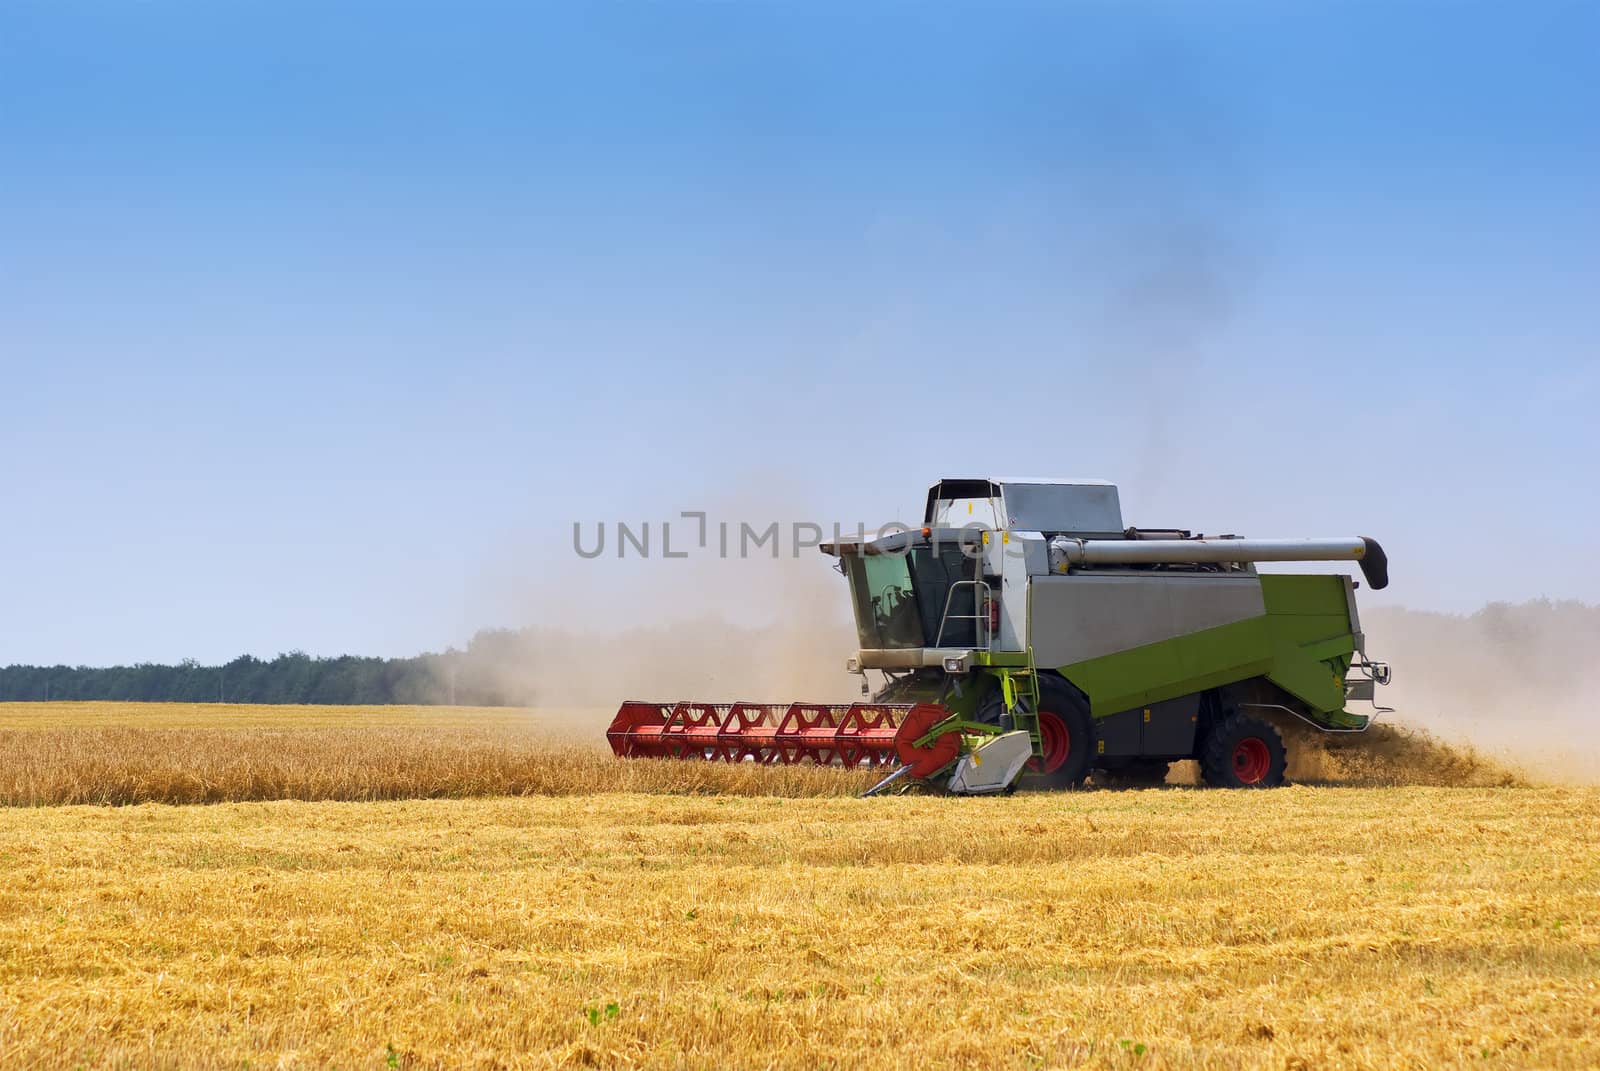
(319, 328)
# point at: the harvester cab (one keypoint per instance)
(1024, 612)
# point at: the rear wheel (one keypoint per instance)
(1242, 752)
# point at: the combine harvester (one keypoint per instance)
(1023, 632)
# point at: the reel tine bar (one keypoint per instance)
(849, 734)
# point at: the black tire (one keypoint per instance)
(1066, 727)
(1242, 752)
(1140, 773)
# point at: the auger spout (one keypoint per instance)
(1374, 563)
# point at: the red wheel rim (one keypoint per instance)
(1055, 740)
(1251, 760)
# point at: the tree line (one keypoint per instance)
(492, 671)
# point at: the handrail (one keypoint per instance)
(979, 615)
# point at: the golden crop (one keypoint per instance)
(1303, 927)
(121, 753)
(170, 753)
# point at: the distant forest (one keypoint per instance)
(477, 676)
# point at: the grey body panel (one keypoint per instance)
(1031, 548)
(1078, 617)
(1014, 557)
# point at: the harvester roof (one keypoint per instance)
(1074, 506)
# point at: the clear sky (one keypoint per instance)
(321, 323)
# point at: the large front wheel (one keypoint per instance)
(1066, 735)
(1066, 738)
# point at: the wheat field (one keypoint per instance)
(114, 753)
(126, 753)
(642, 923)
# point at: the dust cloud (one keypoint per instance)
(705, 659)
(1392, 753)
(1498, 697)
(1516, 683)
(771, 623)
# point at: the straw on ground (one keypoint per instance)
(1301, 927)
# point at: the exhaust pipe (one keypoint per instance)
(1374, 562)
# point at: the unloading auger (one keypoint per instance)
(1023, 632)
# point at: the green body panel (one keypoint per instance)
(1303, 644)
(1312, 640)
(1170, 668)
